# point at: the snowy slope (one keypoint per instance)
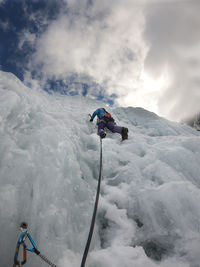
(149, 211)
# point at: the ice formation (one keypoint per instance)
(149, 210)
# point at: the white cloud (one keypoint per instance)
(172, 32)
(26, 36)
(103, 41)
(4, 25)
(133, 49)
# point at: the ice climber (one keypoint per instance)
(106, 120)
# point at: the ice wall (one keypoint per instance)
(149, 213)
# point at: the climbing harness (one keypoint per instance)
(94, 211)
(21, 241)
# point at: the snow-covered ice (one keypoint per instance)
(149, 209)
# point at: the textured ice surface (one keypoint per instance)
(149, 211)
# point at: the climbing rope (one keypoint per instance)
(94, 211)
(25, 234)
(46, 260)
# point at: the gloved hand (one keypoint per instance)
(91, 119)
(36, 251)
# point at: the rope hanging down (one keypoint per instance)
(94, 211)
(46, 260)
(25, 233)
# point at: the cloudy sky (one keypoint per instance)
(126, 52)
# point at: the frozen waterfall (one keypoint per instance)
(149, 210)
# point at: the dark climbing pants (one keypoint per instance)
(110, 125)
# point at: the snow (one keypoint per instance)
(149, 212)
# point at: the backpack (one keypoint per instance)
(108, 116)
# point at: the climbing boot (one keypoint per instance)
(124, 133)
(102, 134)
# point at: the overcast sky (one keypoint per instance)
(125, 52)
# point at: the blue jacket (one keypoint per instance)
(100, 112)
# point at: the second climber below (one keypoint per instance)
(105, 120)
